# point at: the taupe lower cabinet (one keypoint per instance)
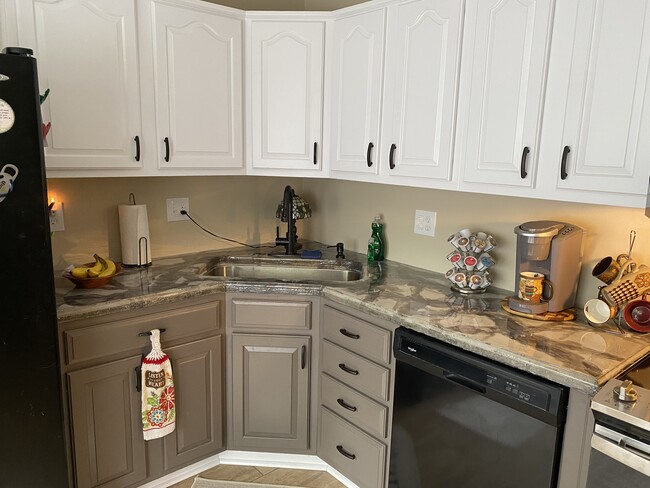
(271, 407)
(101, 359)
(356, 385)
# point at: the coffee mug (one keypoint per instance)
(598, 311)
(608, 268)
(531, 287)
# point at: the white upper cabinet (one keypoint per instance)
(198, 77)
(286, 83)
(88, 56)
(422, 59)
(597, 115)
(504, 60)
(357, 47)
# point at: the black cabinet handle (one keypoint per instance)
(370, 146)
(166, 141)
(315, 152)
(138, 379)
(565, 153)
(346, 405)
(524, 156)
(391, 156)
(353, 372)
(303, 357)
(349, 334)
(137, 147)
(347, 454)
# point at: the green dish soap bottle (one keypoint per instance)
(376, 241)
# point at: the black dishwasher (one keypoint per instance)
(464, 421)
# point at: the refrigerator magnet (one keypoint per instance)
(7, 117)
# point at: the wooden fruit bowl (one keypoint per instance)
(92, 282)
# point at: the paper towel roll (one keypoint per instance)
(134, 234)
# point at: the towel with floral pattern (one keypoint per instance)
(158, 398)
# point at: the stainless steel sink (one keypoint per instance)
(283, 269)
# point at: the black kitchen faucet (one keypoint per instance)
(290, 240)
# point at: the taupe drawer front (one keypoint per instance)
(271, 314)
(353, 406)
(357, 335)
(122, 336)
(353, 370)
(352, 452)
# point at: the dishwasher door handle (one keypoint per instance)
(466, 382)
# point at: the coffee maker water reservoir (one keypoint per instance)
(553, 249)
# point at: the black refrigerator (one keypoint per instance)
(32, 443)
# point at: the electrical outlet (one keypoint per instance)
(56, 218)
(174, 207)
(425, 223)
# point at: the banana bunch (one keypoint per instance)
(102, 268)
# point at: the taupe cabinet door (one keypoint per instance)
(109, 449)
(271, 391)
(198, 384)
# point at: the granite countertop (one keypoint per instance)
(571, 353)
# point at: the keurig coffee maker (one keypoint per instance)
(549, 256)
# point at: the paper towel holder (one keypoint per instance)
(136, 258)
(146, 261)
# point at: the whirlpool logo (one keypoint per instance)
(4, 77)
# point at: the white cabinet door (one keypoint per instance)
(198, 75)
(356, 78)
(501, 90)
(598, 101)
(87, 54)
(287, 94)
(421, 77)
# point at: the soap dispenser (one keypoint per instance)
(376, 241)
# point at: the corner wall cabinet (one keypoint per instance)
(101, 361)
(286, 71)
(271, 366)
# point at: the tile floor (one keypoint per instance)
(271, 476)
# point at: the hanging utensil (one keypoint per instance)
(632, 239)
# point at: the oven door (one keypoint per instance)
(618, 460)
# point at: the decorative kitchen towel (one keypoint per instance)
(158, 398)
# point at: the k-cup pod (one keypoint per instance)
(476, 244)
(487, 280)
(470, 262)
(490, 243)
(456, 259)
(476, 281)
(465, 233)
(450, 274)
(484, 261)
(460, 280)
(481, 235)
(453, 239)
(598, 311)
(463, 243)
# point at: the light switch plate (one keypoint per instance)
(425, 223)
(174, 207)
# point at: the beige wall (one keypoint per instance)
(237, 207)
(344, 210)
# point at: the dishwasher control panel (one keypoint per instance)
(519, 390)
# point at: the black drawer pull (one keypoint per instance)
(303, 357)
(368, 161)
(391, 156)
(138, 379)
(315, 152)
(137, 147)
(166, 141)
(522, 169)
(349, 334)
(348, 370)
(347, 454)
(565, 153)
(145, 334)
(346, 405)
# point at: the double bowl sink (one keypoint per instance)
(283, 268)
